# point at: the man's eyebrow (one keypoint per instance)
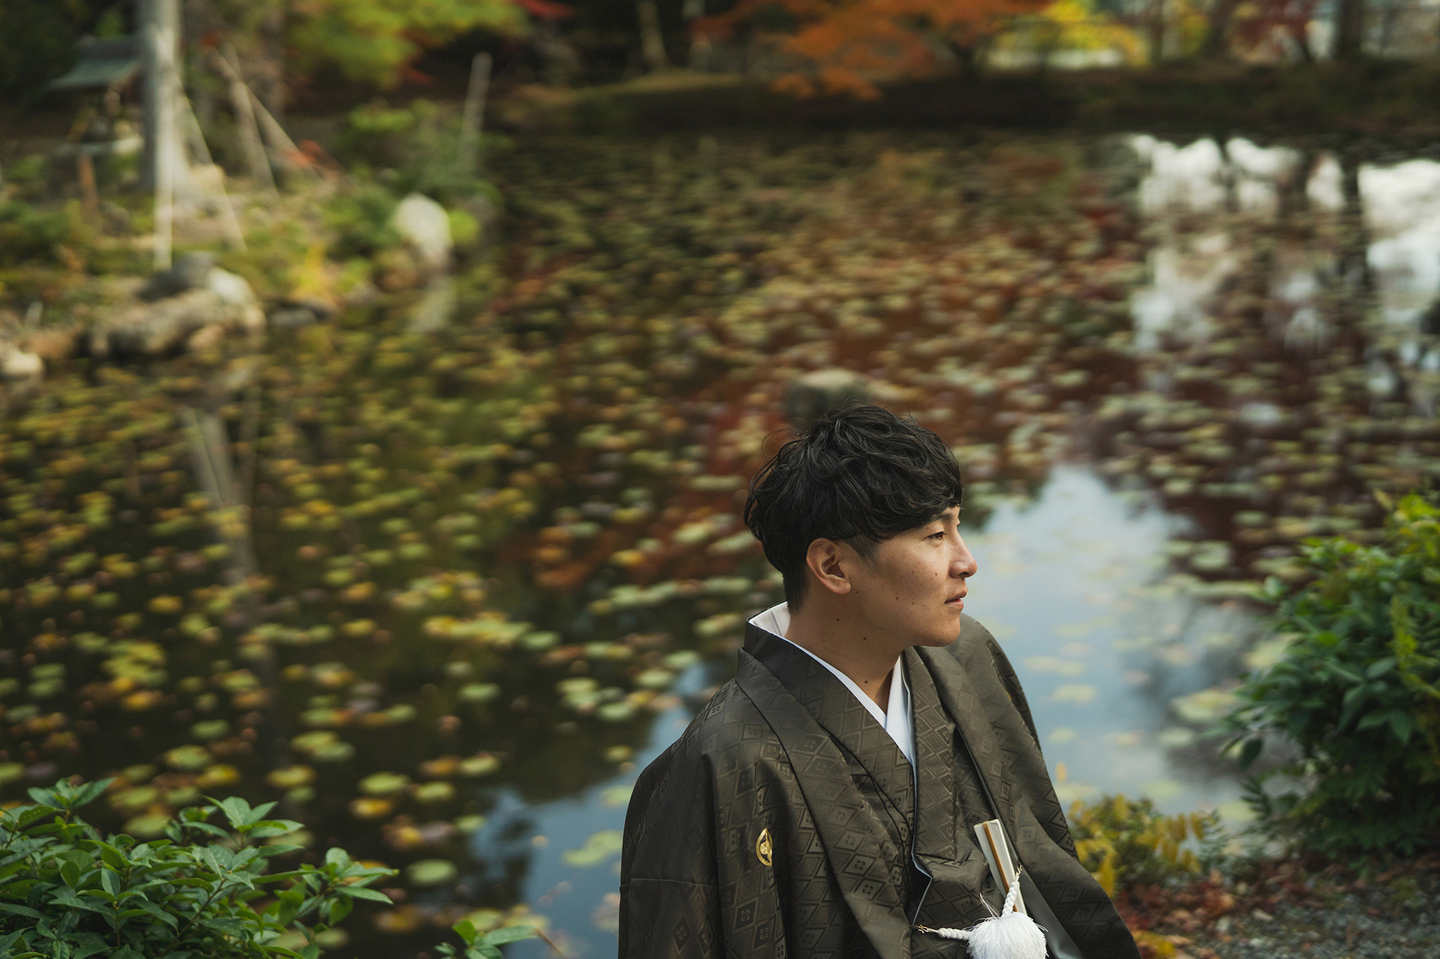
(939, 517)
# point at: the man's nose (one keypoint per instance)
(964, 564)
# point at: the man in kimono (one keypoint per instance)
(823, 804)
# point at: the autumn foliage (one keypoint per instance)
(1262, 22)
(849, 44)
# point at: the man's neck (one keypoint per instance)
(867, 659)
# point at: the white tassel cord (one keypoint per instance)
(1010, 935)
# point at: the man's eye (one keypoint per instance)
(939, 535)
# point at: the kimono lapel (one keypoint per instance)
(836, 709)
(958, 697)
(935, 811)
(861, 859)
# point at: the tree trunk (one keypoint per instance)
(1217, 28)
(967, 56)
(1349, 30)
(164, 16)
(1354, 259)
(697, 57)
(652, 41)
(1301, 35)
(267, 78)
(1157, 32)
(1293, 191)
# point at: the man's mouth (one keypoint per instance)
(956, 602)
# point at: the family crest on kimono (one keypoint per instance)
(825, 803)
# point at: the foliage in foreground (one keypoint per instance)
(1358, 690)
(66, 891)
(1128, 843)
(485, 945)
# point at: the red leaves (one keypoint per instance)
(851, 44)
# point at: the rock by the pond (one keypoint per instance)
(150, 329)
(810, 396)
(189, 271)
(54, 342)
(295, 312)
(423, 223)
(230, 287)
(435, 308)
(18, 364)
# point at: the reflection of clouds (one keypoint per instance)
(1295, 287)
(1184, 276)
(1402, 212)
(1325, 186)
(1180, 177)
(1268, 163)
(1259, 173)
(1401, 208)
(1197, 177)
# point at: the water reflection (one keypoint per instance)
(1326, 202)
(1115, 642)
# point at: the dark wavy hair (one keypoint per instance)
(860, 475)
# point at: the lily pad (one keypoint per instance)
(1206, 706)
(480, 764)
(189, 757)
(437, 791)
(210, 729)
(1054, 664)
(148, 826)
(1079, 693)
(290, 777)
(371, 807)
(384, 784)
(599, 847)
(479, 692)
(431, 872)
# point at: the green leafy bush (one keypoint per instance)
(373, 40)
(360, 219)
(29, 234)
(416, 147)
(66, 891)
(484, 945)
(1358, 690)
(27, 176)
(1127, 843)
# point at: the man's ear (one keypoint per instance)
(829, 562)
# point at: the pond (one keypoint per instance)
(442, 594)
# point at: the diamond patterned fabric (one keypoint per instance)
(785, 747)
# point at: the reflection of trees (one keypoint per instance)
(1349, 29)
(1265, 432)
(1353, 262)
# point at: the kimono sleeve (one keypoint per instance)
(669, 888)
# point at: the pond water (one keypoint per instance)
(449, 591)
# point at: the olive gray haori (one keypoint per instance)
(787, 751)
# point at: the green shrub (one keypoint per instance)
(66, 891)
(28, 234)
(1126, 843)
(27, 176)
(1358, 690)
(416, 146)
(360, 219)
(484, 945)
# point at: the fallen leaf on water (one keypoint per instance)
(598, 847)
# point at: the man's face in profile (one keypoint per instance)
(911, 591)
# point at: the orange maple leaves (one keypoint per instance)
(850, 44)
